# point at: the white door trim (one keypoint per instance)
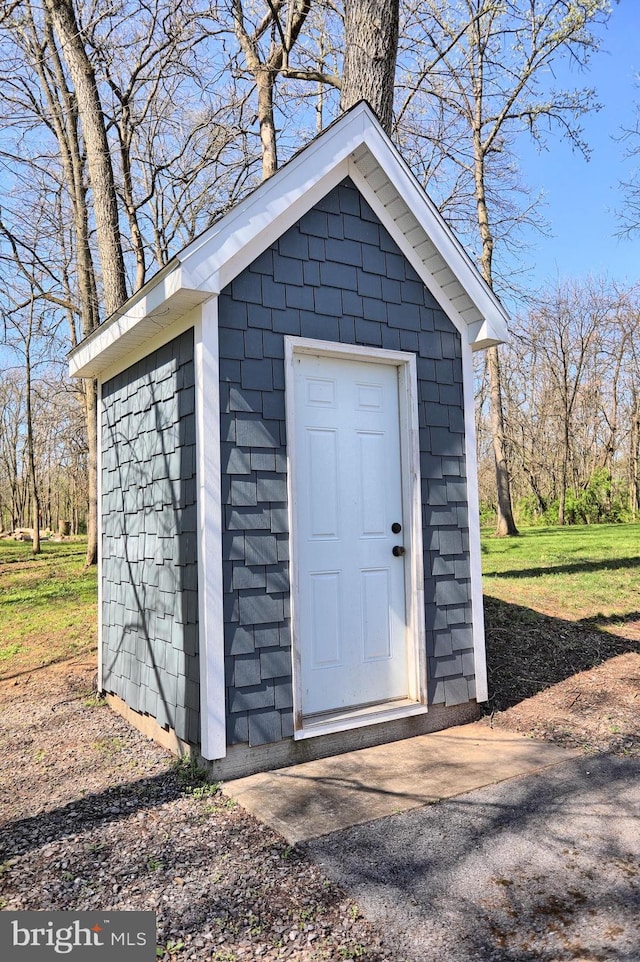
(412, 524)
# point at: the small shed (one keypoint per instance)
(289, 564)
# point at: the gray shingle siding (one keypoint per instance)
(149, 545)
(335, 275)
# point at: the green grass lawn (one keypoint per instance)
(586, 572)
(47, 605)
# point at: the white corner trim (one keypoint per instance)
(296, 668)
(473, 507)
(99, 413)
(412, 501)
(210, 598)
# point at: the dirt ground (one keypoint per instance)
(596, 710)
(95, 816)
(573, 683)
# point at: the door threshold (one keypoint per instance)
(325, 723)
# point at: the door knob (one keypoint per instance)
(398, 550)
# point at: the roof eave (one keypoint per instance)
(491, 329)
(194, 275)
(488, 332)
(151, 310)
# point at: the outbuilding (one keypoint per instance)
(290, 548)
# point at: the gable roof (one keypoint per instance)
(355, 146)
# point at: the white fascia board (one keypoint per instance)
(494, 326)
(243, 234)
(262, 228)
(337, 142)
(421, 269)
(141, 319)
(211, 261)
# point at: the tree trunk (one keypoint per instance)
(30, 446)
(265, 72)
(540, 499)
(506, 526)
(265, 79)
(124, 132)
(65, 123)
(97, 147)
(634, 452)
(371, 46)
(105, 208)
(65, 118)
(564, 469)
(562, 500)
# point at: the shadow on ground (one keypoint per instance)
(528, 652)
(568, 568)
(537, 869)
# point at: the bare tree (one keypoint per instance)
(634, 455)
(566, 332)
(570, 381)
(53, 450)
(26, 331)
(276, 30)
(52, 102)
(11, 421)
(629, 215)
(83, 86)
(174, 126)
(495, 69)
(73, 50)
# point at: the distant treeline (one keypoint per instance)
(571, 395)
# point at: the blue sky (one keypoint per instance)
(580, 196)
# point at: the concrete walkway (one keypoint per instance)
(317, 798)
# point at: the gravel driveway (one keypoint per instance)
(95, 816)
(544, 867)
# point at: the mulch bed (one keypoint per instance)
(568, 682)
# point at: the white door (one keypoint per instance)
(351, 617)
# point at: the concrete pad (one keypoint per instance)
(316, 798)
